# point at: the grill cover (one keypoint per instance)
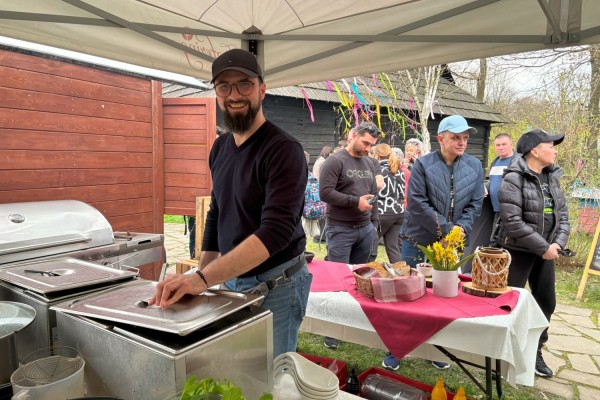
(38, 229)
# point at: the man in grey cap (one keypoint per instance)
(253, 239)
(445, 190)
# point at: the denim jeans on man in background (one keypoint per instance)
(348, 244)
(411, 253)
(287, 301)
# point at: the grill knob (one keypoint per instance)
(16, 218)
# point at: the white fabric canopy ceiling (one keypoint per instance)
(299, 41)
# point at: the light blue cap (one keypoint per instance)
(455, 124)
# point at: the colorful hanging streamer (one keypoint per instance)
(358, 95)
(312, 116)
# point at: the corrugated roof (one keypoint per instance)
(450, 98)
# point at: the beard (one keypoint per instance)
(359, 151)
(240, 122)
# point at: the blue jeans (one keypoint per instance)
(347, 244)
(411, 253)
(287, 301)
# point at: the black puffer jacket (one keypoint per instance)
(522, 209)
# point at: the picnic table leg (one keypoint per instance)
(498, 379)
(489, 388)
(488, 378)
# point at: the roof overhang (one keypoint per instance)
(299, 41)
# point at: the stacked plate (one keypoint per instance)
(312, 381)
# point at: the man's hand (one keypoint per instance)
(462, 231)
(174, 287)
(552, 252)
(364, 202)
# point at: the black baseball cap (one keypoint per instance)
(531, 139)
(237, 60)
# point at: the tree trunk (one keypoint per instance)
(431, 76)
(481, 79)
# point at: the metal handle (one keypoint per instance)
(45, 245)
(107, 264)
(132, 269)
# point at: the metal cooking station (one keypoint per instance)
(63, 259)
(218, 334)
(50, 229)
(56, 250)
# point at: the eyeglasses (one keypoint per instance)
(371, 128)
(244, 88)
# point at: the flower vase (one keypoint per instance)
(445, 283)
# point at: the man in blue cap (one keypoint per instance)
(445, 190)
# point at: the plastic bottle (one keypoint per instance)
(334, 367)
(460, 394)
(439, 392)
(352, 383)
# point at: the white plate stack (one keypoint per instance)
(312, 381)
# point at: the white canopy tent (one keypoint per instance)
(300, 41)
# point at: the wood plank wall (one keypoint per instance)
(189, 132)
(74, 132)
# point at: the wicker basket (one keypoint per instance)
(364, 285)
(490, 268)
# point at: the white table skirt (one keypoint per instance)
(511, 338)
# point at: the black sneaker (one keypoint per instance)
(541, 369)
(331, 343)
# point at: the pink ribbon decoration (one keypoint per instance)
(329, 86)
(312, 116)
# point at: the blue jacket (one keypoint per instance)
(429, 199)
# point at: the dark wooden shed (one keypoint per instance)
(288, 108)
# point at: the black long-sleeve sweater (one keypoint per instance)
(258, 188)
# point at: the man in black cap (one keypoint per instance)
(253, 239)
(534, 222)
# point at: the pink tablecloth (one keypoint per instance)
(404, 326)
(328, 276)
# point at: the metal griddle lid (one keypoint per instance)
(123, 304)
(70, 273)
(14, 317)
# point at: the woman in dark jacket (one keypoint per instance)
(534, 222)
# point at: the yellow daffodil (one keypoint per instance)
(445, 254)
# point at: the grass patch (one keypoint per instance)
(173, 219)
(362, 358)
